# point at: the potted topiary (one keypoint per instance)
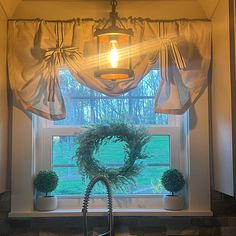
(173, 181)
(45, 182)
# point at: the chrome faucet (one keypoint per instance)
(86, 202)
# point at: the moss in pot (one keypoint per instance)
(46, 182)
(173, 181)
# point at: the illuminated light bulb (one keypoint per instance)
(114, 55)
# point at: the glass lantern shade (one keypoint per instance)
(113, 47)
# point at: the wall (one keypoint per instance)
(9, 6)
(3, 101)
(209, 6)
(99, 9)
(222, 105)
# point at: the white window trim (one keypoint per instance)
(44, 152)
(195, 143)
(47, 130)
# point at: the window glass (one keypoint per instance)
(111, 155)
(86, 106)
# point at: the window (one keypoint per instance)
(86, 106)
(32, 147)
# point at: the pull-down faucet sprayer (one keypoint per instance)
(86, 202)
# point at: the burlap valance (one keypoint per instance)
(38, 49)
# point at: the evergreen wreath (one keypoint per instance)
(96, 135)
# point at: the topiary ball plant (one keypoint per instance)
(172, 180)
(46, 181)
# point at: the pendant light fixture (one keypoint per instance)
(113, 45)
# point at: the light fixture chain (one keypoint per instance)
(114, 4)
(114, 14)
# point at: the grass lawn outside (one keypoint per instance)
(148, 182)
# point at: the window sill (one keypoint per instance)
(116, 212)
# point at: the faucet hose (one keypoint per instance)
(105, 181)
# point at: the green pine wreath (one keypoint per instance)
(90, 141)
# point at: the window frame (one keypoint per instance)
(44, 137)
(43, 132)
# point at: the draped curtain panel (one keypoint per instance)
(39, 49)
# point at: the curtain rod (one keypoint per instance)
(122, 18)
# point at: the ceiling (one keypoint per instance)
(10, 5)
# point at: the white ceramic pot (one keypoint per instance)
(173, 203)
(48, 203)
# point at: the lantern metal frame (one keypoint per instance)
(113, 30)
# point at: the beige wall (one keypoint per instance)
(221, 102)
(98, 9)
(3, 102)
(209, 6)
(9, 6)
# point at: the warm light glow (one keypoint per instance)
(114, 56)
(143, 47)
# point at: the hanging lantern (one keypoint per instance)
(113, 45)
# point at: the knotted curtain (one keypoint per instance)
(39, 49)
